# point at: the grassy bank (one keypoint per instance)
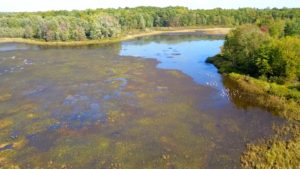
(125, 36)
(283, 100)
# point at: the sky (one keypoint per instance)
(44, 5)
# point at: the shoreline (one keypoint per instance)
(151, 32)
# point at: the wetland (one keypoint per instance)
(149, 102)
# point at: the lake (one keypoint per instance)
(151, 102)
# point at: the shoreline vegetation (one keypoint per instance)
(125, 36)
(279, 99)
(266, 69)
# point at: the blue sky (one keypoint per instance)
(42, 5)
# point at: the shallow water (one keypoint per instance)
(99, 107)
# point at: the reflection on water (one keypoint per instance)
(88, 107)
(187, 56)
(16, 46)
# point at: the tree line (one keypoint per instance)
(105, 23)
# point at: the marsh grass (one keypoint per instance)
(279, 99)
(281, 151)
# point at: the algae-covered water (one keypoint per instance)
(151, 102)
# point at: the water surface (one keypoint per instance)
(151, 102)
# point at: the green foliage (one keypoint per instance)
(241, 46)
(292, 27)
(286, 58)
(105, 23)
(11, 32)
(275, 28)
(251, 51)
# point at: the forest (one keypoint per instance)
(106, 23)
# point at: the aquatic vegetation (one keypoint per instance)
(19, 143)
(38, 126)
(5, 123)
(176, 73)
(24, 108)
(114, 115)
(87, 107)
(8, 166)
(5, 97)
(280, 151)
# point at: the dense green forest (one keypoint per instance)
(103, 23)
